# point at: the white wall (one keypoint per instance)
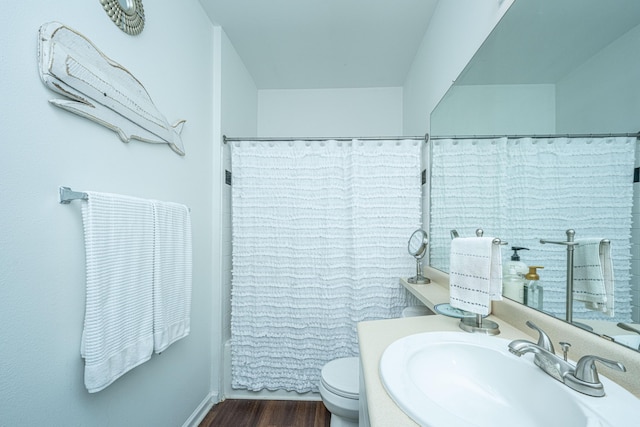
(456, 31)
(239, 106)
(589, 103)
(42, 270)
(330, 112)
(496, 110)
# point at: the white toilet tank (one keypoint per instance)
(340, 391)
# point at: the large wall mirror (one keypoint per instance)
(558, 82)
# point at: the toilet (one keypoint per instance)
(416, 311)
(340, 389)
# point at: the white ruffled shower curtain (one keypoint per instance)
(320, 233)
(526, 189)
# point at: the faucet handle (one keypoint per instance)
(565, 349)
(543, 340)
(586, 369)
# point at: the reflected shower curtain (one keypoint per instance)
(527, 189)
(320, 233)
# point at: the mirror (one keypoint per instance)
(128, 15)
(417, 248)
(549, 69)
(127, 6)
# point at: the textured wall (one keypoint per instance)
(42, 270)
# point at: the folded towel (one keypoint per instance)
(475, 274)
(172, 274)
(118, 323)
(593, 275)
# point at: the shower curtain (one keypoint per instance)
(527, 189)
(320, 233)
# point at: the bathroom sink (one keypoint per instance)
(632, 341)
(460, 379)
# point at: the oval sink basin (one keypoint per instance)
(459, 379)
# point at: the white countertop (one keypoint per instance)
(375, 336)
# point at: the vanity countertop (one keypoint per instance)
(375, 336)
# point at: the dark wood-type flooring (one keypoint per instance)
(267, 413)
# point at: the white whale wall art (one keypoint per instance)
(100, 89)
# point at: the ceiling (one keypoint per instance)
(541, 41)
(319, 44)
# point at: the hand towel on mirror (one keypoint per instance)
(172, 274)
(475, 274)
(118, 322)
(593, 275)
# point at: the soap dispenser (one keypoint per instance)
(513, 281)
(534, 289)
(513, 285)
(521, 267)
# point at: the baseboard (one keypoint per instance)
(270, 395)
(202, 410)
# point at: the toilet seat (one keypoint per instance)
(341, 377)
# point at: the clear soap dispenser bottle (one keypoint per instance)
(534, 289)
(513, 281)
(520, 267)
(513, 285)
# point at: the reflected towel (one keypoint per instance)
(593, 275)
(118, 323)
(475, 274)
(172, 274)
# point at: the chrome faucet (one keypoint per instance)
(583, 377)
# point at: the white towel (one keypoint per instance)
(475, 274)
(593, 275)
(118, 323)
(172, 274)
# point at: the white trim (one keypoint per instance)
(202, 410)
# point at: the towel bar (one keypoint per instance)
(67, 195)
(480, 233)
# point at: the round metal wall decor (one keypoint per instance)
(128, 15)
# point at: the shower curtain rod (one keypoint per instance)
(424, 138)
(567, 135)
(427, 137)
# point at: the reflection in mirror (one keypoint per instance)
(549, 70)
(127, 6)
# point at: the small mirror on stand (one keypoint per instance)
(418, 249)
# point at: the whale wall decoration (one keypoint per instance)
(100, 89)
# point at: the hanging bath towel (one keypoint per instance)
(172, 274)
(118, 324)
(593, 275)
(475, 277)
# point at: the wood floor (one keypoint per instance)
(267, 413)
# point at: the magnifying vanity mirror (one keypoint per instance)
(128, 15)
(559, 70)
(418, 249)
